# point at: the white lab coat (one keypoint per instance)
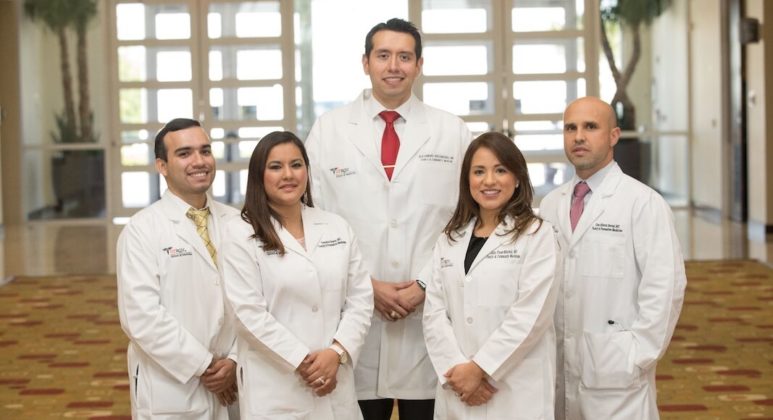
(172, 308)
(621, 296)
(397, 221)
(289, 306)
(500, 315)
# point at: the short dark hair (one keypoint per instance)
(395, 25)
(257, 211)
(176, 124)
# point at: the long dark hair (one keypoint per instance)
(518, 206)
(256, 211)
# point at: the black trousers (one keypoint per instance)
(407, 409)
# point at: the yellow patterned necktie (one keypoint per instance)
(200, 217)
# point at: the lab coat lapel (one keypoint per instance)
(313, 228)
(185, 229)
(497, 238)
(414, 136)
(361, 137)
(597, 204)
(564, 204)
(458, 250)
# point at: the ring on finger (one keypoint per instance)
(321, 380)
(393, 314)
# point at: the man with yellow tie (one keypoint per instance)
(181, 358)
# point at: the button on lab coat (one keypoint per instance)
(621, 296)
(289, 306)
(500, 315)
(397, 222)
(172, 308)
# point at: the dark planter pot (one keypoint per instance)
(79, 182)
(634, 156)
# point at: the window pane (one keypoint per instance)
(137, 21)
(539, 141)
(259, 64)
(251, 103)
(140, 64)
(173, 66)
(473, 98)
(536, 57)
(229, 187)
(137, 154)
(530, 16)
(546, 97)
(135, 189)
(455, 16)
(134, 136)
(478, 128)
(546, 176)
(457, 60)
(138, 106)
(247, 19)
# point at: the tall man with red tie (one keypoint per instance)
(623, 281)
(389, 164)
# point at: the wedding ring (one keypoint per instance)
(321, 380)
(393, 314)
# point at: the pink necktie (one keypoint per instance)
(578, 202)
(390, 144)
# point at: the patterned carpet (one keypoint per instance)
(62, 352)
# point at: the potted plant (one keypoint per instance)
(77, 175)
(629, 16)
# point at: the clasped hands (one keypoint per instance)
(395, 301)
(468, 381)
(319, 371)
(220, 379)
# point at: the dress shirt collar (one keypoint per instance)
(373, 107)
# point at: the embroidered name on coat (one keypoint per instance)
(339, 172)
(607, 227)
(505, 254)
(333, 242)
(434, 157)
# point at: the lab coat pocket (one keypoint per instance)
(168, 396)
(603, 256)
(607, 360)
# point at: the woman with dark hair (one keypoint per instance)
(488, 317)
(294, 277)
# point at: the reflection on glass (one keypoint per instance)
(527, 18)
(76, 179)
(470, 98)
(456, 60)
(136, 154)
(173, 26)
(546, 97)
(259, 64)
(173, 66)
(460, 19)
(544, 57)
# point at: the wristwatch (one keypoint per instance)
(343, 357)
(422, 285)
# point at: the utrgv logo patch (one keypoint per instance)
(339, 172)
(176, 252)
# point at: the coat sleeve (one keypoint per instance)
(358, 305)
(531, 315)
(144, 319)
(244, 292)
(442, 347)
(663, 280)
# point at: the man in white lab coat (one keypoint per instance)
(397, 202)
(181, 355)
(624, 276)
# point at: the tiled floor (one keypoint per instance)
(89, 248)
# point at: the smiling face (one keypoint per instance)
(285, 177)
(590, 133)
(492, 185)
(392, 66)
(189, 168)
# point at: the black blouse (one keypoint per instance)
(473, 248)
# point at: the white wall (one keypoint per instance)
(706, 99)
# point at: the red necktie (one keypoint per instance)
(578, 202)
(390, 144)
